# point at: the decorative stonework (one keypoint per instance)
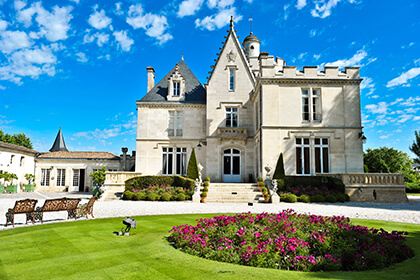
(176, 77)
(231, 56)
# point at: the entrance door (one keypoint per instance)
(232, 166)
(82, 181)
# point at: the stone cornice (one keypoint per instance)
(168, 105)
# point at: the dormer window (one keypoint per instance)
(177, 88)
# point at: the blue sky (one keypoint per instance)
(81, 64)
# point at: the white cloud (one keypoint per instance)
(219, 20)
(189, 7)
(118, 9)
(300, 4)
(3, 25)
(81, 57)
(317, 56)
(220, 4)
(155, 26)
(302, 56)
(412, 101)
(380, 108)
(76, 1)
(101, 38)
(123, 40)
(367, 83)
(312, 33)
(99, 20)
(14, 40)
(417, 118)
(353, 61)
(323, 7)
(286, 11)
(404, 77)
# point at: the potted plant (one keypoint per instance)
(9, 177)
(2, 176)
(267, 197)
(207, 179)
(203, 196)
(206, 184)
(30, 186)
(261, 186)
(205, 189)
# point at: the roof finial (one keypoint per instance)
(250, 20)
(182, 56)
(231, 22)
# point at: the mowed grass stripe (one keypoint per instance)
(89, 249)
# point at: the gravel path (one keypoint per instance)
(396, 212)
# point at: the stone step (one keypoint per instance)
(234, 193)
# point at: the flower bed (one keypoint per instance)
(291, 241)
(312, 194)
(158, 192)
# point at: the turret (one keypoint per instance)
(251, 46)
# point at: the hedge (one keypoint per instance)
(144, 181)
(313, 181)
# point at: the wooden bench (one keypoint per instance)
(87, 208)
(54, 205)
(25, 206)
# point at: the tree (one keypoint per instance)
(415, 148)
(192, 169)
(98, 176)
(387, 160)
(17, 139)
(279, 172)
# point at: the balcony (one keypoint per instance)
(232, 132)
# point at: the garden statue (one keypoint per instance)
(200, 167)
(274, 185)
(275, 198)
(268, 169)
(196, 195)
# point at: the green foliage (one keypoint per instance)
(29, 177)
(203, 194)
(165, 197)
(153, 196)
(259, 179)
(331, 183)
(279, 172)
(291, 198)
(127, 195)
(261, 184)
(180, 197)
(17, 139)
(140, 182)
(192, 169)
(7, 177)
(317, 198)
(98, 177)
(207, 179)
(304, 198)
(387, 160)
(415, 147)
(341, 197)
(330, 198)
(205, 189)
(267, 196)
(206, 184)
(264, 190)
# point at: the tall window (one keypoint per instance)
(61, 177)
(22, 161)
(303, 159)
(231, 79)
(76, 177)
(11, 159)
(322, 164)
(175, 123)
(231, 117)
(311, 104)
(174, 161)
(177, 88)
(45, 177)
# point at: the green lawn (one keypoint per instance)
(90, 250)
(413, 194)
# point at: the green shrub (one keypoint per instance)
(341, 197)
(259, 179)
(291, 198)
(139, 196)
(267, 195)
(180, 197)
(165, 197)
(264, 190)
(203, 194)
(304, 198)
(206, 184)
(205, 189)
(140, 182)
(279, 172)
(128, 195)
(207, 179)
(192, 169)
(317, 198)
(282, 197)
(261, 184)
(152, 197)
(331, 198)
(347, 197)
(313, 181)
(413, 187)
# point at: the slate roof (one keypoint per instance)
(78, 155)
(17, 147)
(59, 144)
(194, 91)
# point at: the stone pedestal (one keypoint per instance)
(196, 197)
(275, 198)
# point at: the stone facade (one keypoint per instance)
(253, 108)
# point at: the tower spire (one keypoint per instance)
(231, 22)
(250, 20)
(59, 144)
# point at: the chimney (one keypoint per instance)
(150, 78)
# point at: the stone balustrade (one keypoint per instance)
(374, 187)
(119, 177)
(232, 132)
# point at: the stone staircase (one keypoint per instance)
(113, 192)
(234, 193)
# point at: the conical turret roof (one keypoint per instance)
(59, 144)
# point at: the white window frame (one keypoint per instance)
(76, 177)
(231, 113)
(175, 123)
(311, 104)
(302, 146)
(322, 146)
(61, 177)
(176, 91)
(45, 177)
(174, 161)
